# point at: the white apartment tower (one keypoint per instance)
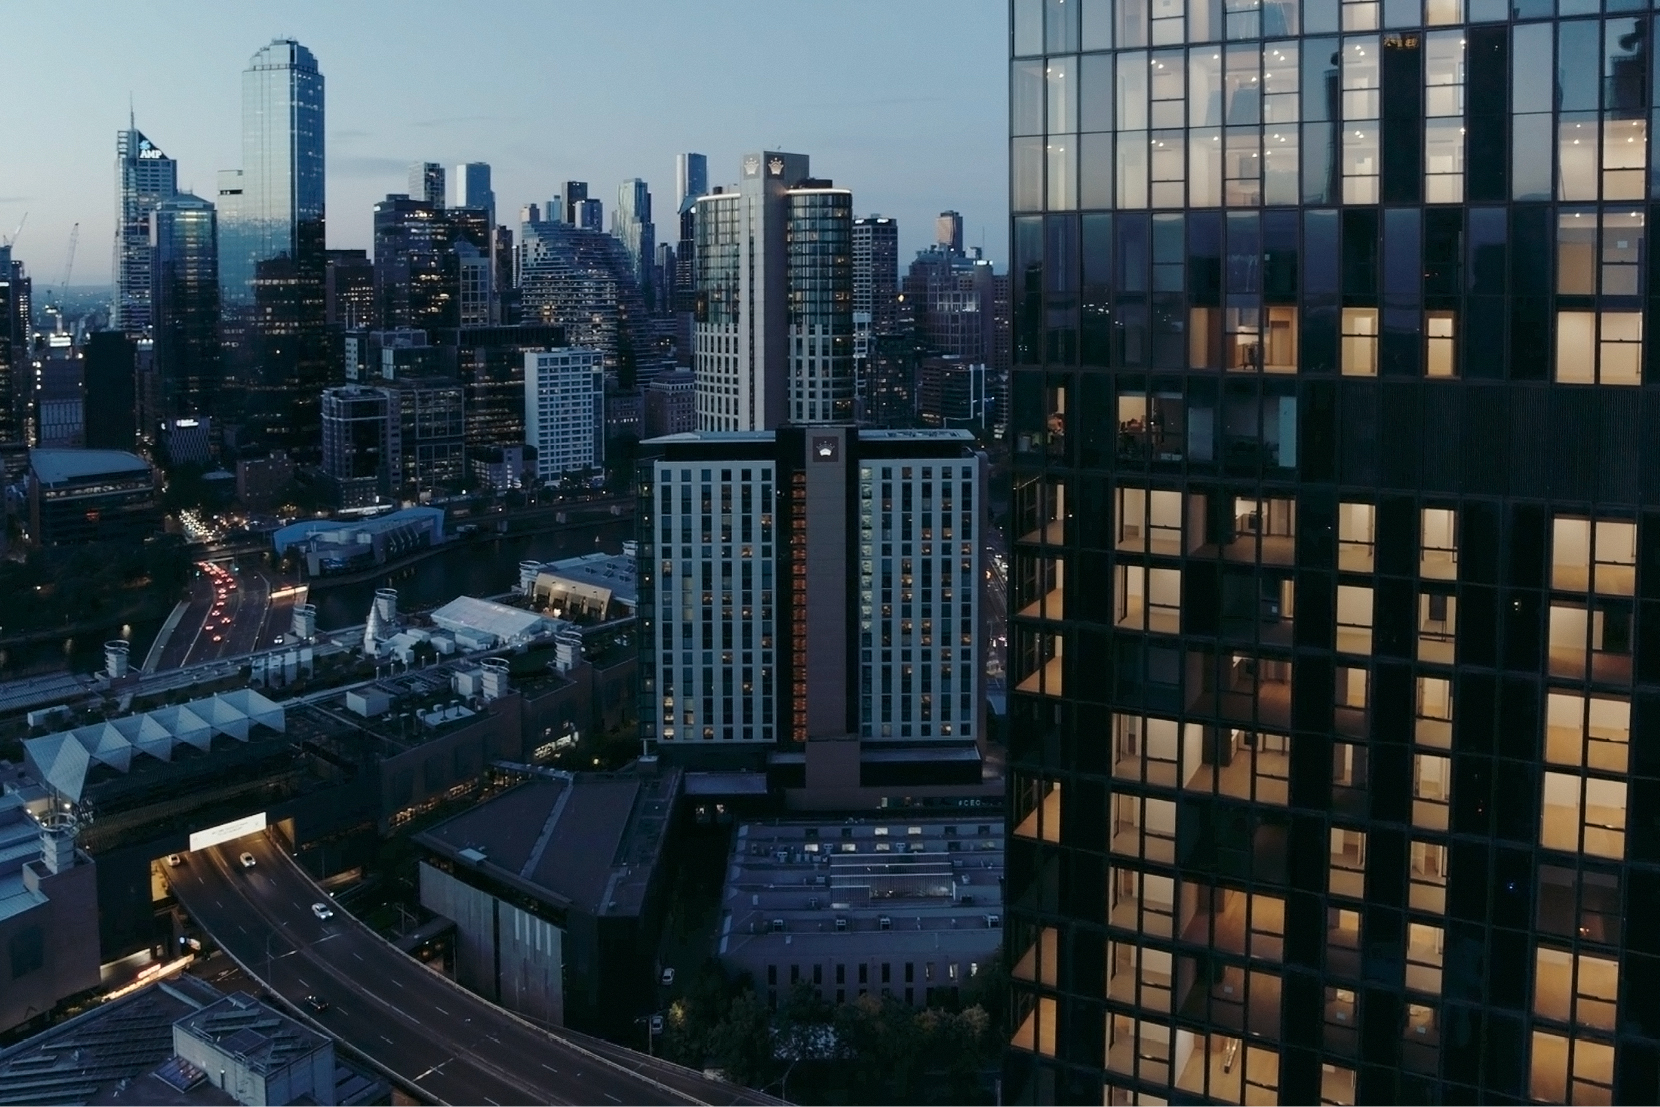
(565, 410)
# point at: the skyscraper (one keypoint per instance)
(948, 231)
(184, 249)
(631, 223)
(691, 179)
(565, 410)
(144, 177)
(585, 281)
(774, 315)
(876, 271)
(426, 182)
(472, 188)
(278, 192)
(1333, 665)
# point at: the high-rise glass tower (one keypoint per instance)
(691, 179)
(144, 177)
(1334, 650)
(631, 222)
(426, 183)
(472, 188)
(279, 209)
(774, 304)
(184, 249)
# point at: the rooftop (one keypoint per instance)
(65, 759)
(19, 845)
(924, 883)
(509, 625)
(262, 1037)
(586, 840)
(55, 466)
(602, 576)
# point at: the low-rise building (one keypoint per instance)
(670, 403)
(256, 1053)
(586, 588)
(340, 546)
(557, 890)
(48, 914)
(91, 496)
(900, 905)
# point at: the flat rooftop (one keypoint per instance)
(612, 572)
(58, 466)
(922, 883)
(583, 840)
(264, 1038)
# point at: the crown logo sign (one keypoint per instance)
(776, 167)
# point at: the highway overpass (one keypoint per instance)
(421, 1029)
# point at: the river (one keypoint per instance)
(470, 569)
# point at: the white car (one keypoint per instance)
(174, 860)
(322, 910)
(247, 860)
(668, 976)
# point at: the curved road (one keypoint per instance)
(432, 1034)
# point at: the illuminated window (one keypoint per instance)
(1360, 340)
(1438, 549)
(1424, 946)
(1437, 627)
(1149, 521)
(1038, 964)
(1583, 814)
(1356, 534)
(1149, 599)
(1354, 619)
(1431, 789)
(1593, 555)
(1143, 902)
(1576, 989)
(1140, 977)
(1599, 347)
(1035, 1025)
(1143, 827)
(1434, 721)
(1587, 732)
(1348, 863)
(1038, 809)
(1428, 878)
(1571, 1070)
(1440, 349)
(1444, 118)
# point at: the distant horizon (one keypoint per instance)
(905, 105)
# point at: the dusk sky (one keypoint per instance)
(903, 101)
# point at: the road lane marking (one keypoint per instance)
(487, 1099)
(357, 955)
(387, 1040)
(439, 1009)
(550, 1068)
(395, 980)
(612, 1098)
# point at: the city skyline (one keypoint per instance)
(534, 124)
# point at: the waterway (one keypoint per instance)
(469, 568)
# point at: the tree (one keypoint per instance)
(741, 1045)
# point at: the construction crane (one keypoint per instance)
(12, 241)
(69, 263)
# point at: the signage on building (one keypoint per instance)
(227, 832)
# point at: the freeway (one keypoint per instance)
(227, 615)
(430, 1034)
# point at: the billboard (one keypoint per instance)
(228, 832)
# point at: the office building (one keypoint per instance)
(184, 255)
(490, 362)
(78, 496)
(418, 268)
(471, 189)
(1331, 672)
(588, 214)
(670, 404)
(565, 411)
(431, 433)
(272, 258)
(57, 401)
(273, 205)
(948, 231)
(475, 272)
(631, 223)
(774, 326)
(950, 296)
(691, 180)
(563, 207)
(876, 271)
(110, 362)
(888, 381)
(836, 643)
(426, 183)
(952, 392)
(14, 345)
(349, 289)
(362, 455)
(144, 178)
(904, 905)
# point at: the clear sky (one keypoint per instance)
(903, 101)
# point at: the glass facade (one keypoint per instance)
(1335, 552)
(185, 281)
(144, 178)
